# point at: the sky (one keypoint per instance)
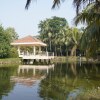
(25, 22)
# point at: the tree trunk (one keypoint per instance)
(50, 45)
(60, 50)
(67, 53)
(55, 51)
(73, 51)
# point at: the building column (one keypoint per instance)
(34, 51)
(39, 49)
(19, 50)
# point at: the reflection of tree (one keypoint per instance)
(5, 85)
(64, 79)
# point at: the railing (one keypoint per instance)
(42, 53)
(50, 53)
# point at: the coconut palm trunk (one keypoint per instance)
(55, 51)
(50, 45)
(60, 51)
(73, 51)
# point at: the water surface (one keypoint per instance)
(67, 81)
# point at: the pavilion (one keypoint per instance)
(34, 51)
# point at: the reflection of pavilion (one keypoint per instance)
(34, 68)
(29, 81)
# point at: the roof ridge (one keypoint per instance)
(25, 37)
(37, 39)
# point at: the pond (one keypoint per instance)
(60, 81)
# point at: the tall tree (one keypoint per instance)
(87, 11)
(75, 40)
(11, 33)
(50, 30)
(4, 44)
(6, 37)
(90, 39)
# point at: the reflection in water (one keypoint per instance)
(16, 78)
(5, 85)
(68, 81)
(74, 94)
(34, 68)
(24, 71)
(72, 82)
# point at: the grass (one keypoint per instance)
(63, 59)
(69, 59)
(57, 59)
(10, 61)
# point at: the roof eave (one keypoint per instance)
(29, 43)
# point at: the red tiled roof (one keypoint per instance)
(28, 40)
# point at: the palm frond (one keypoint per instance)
(27, 4)
(56, 3)
(91, 38)
(84, 3)
(88, 15)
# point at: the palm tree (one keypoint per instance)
(90, 40)
(84, 3)
(45, 33)
(55, 2)
(49, 36)
(75, 40)
(66, 37)
(28, 3)
(51, 32)
(77, 3)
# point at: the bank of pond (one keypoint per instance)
(9, 61)
(57, 59)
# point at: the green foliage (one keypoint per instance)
(11, 34)
(68, 78)
(91, 38)
(6, 37)
(5, 85)
(59, 37)
(88, 11)
(13, 52)
(80, 3)
(4, 44)
(75, 36)
(4, 50)
(52, 31)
